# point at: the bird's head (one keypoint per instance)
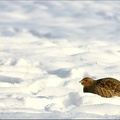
(86, 82)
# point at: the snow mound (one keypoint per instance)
(73, 73)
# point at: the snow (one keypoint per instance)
(47, 47)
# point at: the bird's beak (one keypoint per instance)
(81, 82)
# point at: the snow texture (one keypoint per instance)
(47, 47)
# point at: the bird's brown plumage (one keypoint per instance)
(105, 87)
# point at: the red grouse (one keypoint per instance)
(105, 87)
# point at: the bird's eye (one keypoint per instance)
(85, 80)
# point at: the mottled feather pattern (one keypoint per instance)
(103, 92)
(105, 87)
(108, 84)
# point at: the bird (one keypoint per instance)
(105, 87)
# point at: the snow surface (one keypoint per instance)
(47, 47)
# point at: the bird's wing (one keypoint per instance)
(109, 84)
(107, 87)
